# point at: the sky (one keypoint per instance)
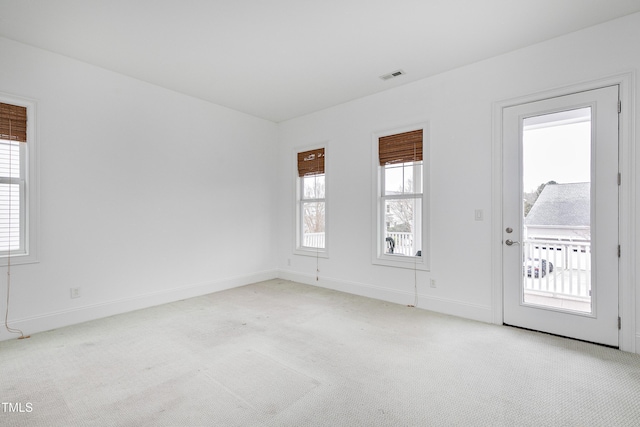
(557, 153)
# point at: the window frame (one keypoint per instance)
(28, 181)
(298, 248)
(20, 181)
(379, 255)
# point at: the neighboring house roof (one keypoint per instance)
(564, 205)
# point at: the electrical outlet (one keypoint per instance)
(75, 292)
(289, 261)
(433, 283)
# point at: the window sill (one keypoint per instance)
(401, 261)
(19, 260)
(311, 252)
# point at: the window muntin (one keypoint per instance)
(313, 187)
(402, 178)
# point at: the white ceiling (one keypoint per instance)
(279, 59)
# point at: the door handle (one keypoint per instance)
(510, 242)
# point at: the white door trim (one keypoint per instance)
(627, 224)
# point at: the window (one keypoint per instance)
(17, 182)
(311, 202)
(400, 200)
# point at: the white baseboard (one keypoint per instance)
(637, 348)
(428, 302)
(58, 319)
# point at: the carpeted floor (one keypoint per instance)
(279, 353)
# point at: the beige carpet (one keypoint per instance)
(279, 353)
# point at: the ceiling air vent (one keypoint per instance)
(392, 75)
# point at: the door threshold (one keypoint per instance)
(561, 336)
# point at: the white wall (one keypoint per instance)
(141, 196)
(459, 107)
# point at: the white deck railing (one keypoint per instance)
(313, 240)
(403, 243)
(567, 272)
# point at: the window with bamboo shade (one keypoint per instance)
(311, 195)
(400, 208)
(17, 182)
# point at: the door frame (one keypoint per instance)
(627, 228)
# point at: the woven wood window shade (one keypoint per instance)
(311, 162)
(13, 122)
(400, 148)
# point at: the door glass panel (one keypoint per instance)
(556, 261)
